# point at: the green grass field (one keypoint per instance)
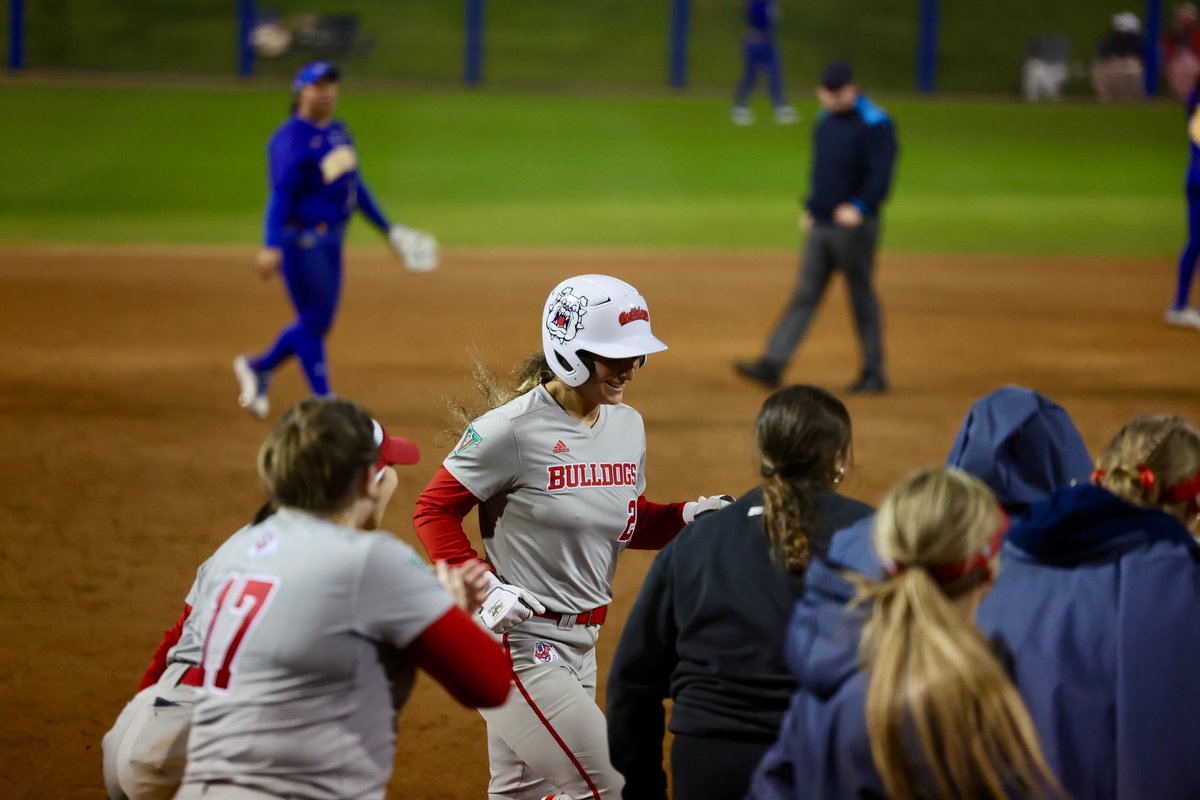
(143, 164)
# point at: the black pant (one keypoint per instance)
(829, 247)
(710, 768)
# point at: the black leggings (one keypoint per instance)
(707, 768)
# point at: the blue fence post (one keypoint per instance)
(681, 23)
(927, 46)
(1150, 57)
(246, 18)
(16, 34)
(473, 49)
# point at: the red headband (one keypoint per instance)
(1186, 489)
(948, 573)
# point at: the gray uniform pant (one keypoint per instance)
(830, 247)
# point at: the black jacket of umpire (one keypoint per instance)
(707, 630)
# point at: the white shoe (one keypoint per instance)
(740, 115)
(252, 397)
(1183, 317)
(786, 115)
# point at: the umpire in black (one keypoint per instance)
(854, 153)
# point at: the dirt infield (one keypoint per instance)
(125, 460)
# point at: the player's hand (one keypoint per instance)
(507, 606)
(705, 505)
(848, 215)
(268, 261)
(467, 583)
(806, 222)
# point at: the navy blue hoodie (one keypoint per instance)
(1020, 443)
(1099, 604)
(822, 751)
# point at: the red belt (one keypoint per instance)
(594, 617)
(192, 676)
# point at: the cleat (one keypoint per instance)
(786, 115)
(868, 384)
(1183, 318)
(253, 395)
(740, 115)
(760, 372)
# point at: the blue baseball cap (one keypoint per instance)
(311, 73)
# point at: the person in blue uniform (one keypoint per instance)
(761, 54)
(1098, 601)
(1022, 444)
(315, 187)
(899, 694)
(1180, 313)
(708, 625)
(854, 154)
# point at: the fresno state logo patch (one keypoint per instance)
(633, 315)
(565, 319)
(544, 653)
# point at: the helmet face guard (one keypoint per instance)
(598, 315)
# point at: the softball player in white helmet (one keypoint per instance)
(558, 474)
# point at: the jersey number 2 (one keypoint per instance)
(236, 619)
(630, 523)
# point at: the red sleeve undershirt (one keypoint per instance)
(657, 524)
(438, 520)
(464, 659)
(158, 663)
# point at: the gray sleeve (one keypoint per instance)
(398, 595)
(487, 458)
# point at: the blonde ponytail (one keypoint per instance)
(532, 372)
(1148, 456)
(933, 678)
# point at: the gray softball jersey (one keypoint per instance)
(559, 499)
(305, 624)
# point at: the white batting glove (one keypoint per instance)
(418, 250)
(507, 606)
(705, 505)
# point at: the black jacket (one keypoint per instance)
(854, 155)
(707, 630)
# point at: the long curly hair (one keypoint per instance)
(802, 434)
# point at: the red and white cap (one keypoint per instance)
(394, 449)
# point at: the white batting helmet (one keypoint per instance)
(594, 314)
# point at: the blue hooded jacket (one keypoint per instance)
(1020, 443)
(822, 751)
(1098, 602)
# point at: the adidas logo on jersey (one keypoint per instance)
(588, 476)
(560, 447)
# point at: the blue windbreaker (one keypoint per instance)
(1099, 603)
(1020, 443)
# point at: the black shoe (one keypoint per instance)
(760, 372)
(868, 384)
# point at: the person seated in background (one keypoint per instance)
(1099, 603)
(1181, 51)
(1022, 444)
(1117, 72)
(900, 695)
(708, 626)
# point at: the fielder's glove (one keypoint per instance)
(705, 505)
(418, 250)
(507, 606)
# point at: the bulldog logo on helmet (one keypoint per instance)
(566, 315)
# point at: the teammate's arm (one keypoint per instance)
(639, 681)
(465, 660)
(158, 663)
(283, 177)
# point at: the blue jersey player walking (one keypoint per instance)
(1180, 314)
(760, 54)
(315, 187)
